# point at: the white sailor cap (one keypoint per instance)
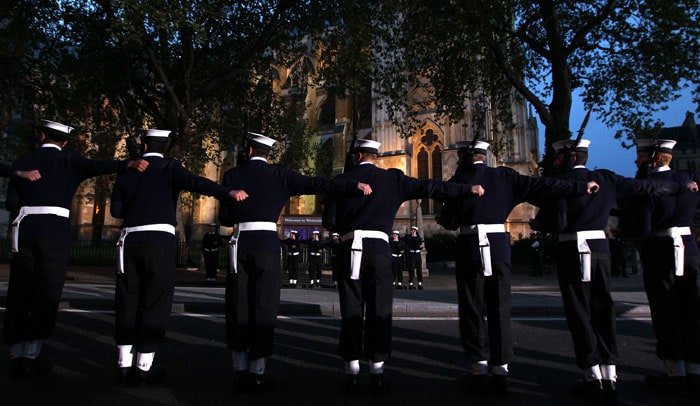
(414, 228)
(156, 135)
(480, 147)
(55, 130)
(367, 146)
(562, 145)
(315, 232)
(335, 235)
(646, 144)
(292, 231)
(261, 141)
(396, 232)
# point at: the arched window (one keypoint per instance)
(429, 166)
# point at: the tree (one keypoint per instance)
(627, 58)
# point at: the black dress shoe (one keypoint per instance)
(420, 287)
(351, 383)
(477, 384)
(379, 383)
(498, 385)
(260, 383)
(123, 375)
(591, 390)
(19, 368)
(609, 391)
(138, 377)
(26, 368)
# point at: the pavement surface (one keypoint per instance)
(532, 296)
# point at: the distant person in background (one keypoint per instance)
(414, 245)
(397, 251)
(293, 253)
(334, 246)
(315, 259)
(211, 242)
(537, 258)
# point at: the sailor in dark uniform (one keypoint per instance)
(211, 242)
(671, 262)
(584, 262)
(334, 246)
(293, 254)
(147, 246)
(483, 260)
(253, 282)
(315, 259)
(41, 242)
(397, 251)
(414, 245)
(8, 172)
(365, 277)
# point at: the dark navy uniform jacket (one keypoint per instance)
(590, 212)
(62, 171)
(660, 213)
(413, 242)
(269, 188)
(293, 245)
(390, 188)
(6, 171)
(315, 246)
(396, 246)
(151, 197)
(505, 189)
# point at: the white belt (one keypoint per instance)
(396, 255)
(584, 251)
(247, 226)
(481, 230)
(414, 251)
(293, 253)
(210, 249)
(29, 210)
(166, 228)
(356, 248)
(317, 254)
(677, 234)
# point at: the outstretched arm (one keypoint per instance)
(238, 195)
(29, 175)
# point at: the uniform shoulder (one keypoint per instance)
(506, 170)
(395, 171)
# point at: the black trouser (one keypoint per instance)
(480, 295)
(314, 268)
(334, 267)
(589, 309)
(365, 307)
(415, 266)
(211, 263)
(292, 266)
(37, 275)
(673, 300)
(396, 265)
(252, 303)
(144, 295)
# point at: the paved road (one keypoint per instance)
(426, 357)
(92, 288)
